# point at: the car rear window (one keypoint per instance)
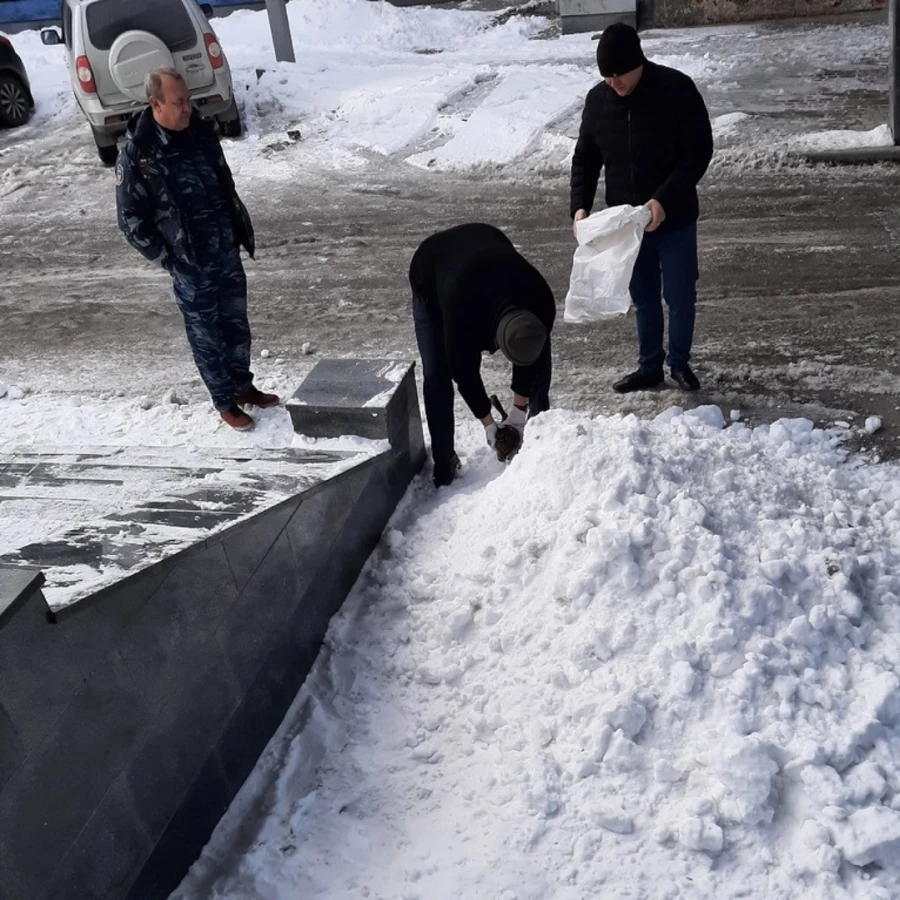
(167, 19)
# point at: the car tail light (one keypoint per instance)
(214, 51)
(85, 75)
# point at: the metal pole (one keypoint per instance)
(281, 30)
(894, 69)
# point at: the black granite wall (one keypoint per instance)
(127, 727)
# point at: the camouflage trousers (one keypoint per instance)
(213, 303)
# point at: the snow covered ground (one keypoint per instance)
(448, 89)
(652, 658)
(649, 659)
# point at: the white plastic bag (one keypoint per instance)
(608, 245)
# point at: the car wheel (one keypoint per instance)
(15, 103)
(230, 122)
(108, 152)
(108, 155)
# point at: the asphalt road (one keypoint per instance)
(798, 316)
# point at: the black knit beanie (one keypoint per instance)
(521, 336)
(619, 50)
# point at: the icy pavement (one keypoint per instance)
(396, 122)
(649, 659)
(90, 516)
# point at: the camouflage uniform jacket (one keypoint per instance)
(151, 212)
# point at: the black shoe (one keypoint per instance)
(640, 380)
(685, 378)
(446, 472)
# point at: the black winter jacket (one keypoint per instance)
(468, 277)
(656, 143)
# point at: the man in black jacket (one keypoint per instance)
(647, 125)
(178, 207)
(473, 292)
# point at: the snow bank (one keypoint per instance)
(648, 659)
(844, 139)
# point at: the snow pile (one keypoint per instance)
(48, 420)
(844, 139)
(727, 124)
(648, 659)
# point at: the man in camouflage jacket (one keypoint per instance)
(178, 207)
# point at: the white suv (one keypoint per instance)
(111, 45)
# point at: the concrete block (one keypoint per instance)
(54, 794)
(595, 15)
(173, 747)
(186, 834)
(854, 156)
(581, 24)
(596, 7)
(347, 397)
(108, 854)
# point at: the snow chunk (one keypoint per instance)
(871, 835)
(883, 694)
(613, 817)
(701, 834)
(628, 716)
(665, 772)
(457, 623)
(872, 424)
(746, 771)
(711, 416)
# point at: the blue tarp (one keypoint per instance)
(48, 10)
(29, 10)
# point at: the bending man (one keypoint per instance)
(473, 292)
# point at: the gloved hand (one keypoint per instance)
(490, 434)
(517, 419)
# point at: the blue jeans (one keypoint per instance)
(438, 383)
(667, 268)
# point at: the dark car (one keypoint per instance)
(16, 102)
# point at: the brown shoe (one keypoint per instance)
(255, 397)
(237, 419)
